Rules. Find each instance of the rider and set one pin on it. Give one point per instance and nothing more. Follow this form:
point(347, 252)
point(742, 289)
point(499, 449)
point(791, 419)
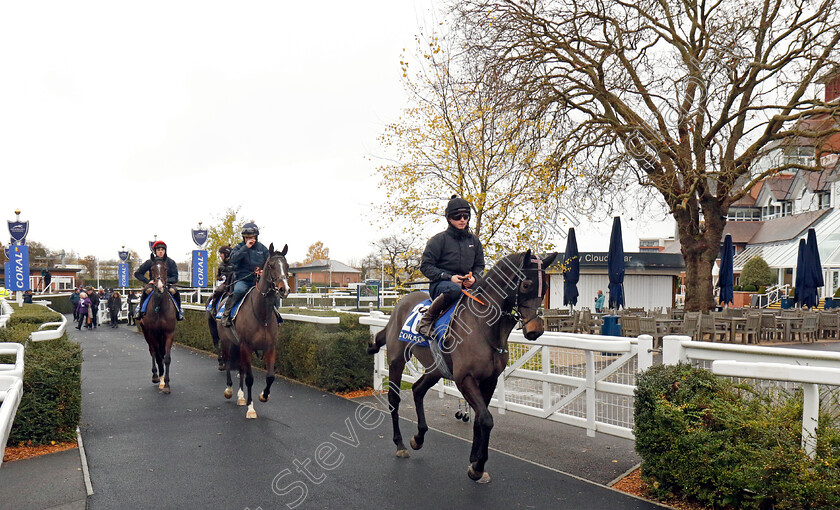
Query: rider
point(159, 253)
point(452, 259)
point(247, 259)
point(224, 277)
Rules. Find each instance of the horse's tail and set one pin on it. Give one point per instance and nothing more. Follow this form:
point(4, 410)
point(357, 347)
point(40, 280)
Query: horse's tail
point(377, 343)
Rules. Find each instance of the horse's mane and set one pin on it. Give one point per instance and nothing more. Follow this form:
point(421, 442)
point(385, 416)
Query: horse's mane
point(512, 260)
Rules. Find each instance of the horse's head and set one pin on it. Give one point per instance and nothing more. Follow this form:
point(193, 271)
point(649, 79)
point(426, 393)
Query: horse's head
point(276, 270)
point(159, 275)
point(531, 291)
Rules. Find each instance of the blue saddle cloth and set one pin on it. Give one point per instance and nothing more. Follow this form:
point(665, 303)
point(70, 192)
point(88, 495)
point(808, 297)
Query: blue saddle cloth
point(223, 304)
point(409, 333)
point(149, 298)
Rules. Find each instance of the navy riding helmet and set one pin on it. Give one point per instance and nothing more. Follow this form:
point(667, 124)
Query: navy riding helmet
point(250, 229)
point(457, 204)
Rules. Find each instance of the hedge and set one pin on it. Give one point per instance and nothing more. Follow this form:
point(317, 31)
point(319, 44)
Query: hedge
point(332, 357)
point(705, 439)
point(51, 405)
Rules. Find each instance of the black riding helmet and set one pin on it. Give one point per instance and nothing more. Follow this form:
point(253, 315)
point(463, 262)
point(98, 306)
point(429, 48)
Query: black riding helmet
point(457, 204)
point(225, 250)
point(250, 229)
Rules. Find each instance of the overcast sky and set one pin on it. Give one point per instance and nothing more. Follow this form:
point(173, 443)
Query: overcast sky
point(119, 121)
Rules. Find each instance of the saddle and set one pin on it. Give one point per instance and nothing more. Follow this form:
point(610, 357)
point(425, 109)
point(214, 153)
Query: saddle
point(145, 301)
point(440, 330)
point(220, 309)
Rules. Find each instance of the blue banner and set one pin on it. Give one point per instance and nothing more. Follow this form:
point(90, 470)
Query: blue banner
point(199, 268)
point(19, 267)
point(122, 275)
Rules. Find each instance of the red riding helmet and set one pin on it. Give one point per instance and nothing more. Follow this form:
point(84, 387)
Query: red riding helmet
point(158, 244)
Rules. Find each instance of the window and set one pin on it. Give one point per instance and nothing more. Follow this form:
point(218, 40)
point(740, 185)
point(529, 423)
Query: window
point(800, 155)
point(824, 200)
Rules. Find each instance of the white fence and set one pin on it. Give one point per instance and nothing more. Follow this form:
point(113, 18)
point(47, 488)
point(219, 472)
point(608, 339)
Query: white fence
point(11, 389)
point(581, 380)
point(588, 380)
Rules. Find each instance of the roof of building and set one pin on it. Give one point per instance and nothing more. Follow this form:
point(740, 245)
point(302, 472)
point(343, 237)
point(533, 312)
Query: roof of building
point(786, 227)
point(742, 231)
point(323, 265)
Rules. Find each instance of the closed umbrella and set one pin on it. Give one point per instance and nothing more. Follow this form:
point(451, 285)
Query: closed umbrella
point(814, 272)
point(615, 266)
point(799, 282)
point(726, 279)
point(571, 270)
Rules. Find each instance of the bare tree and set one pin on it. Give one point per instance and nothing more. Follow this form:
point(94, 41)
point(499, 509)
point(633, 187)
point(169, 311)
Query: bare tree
point(402, 258)
point(681, 97)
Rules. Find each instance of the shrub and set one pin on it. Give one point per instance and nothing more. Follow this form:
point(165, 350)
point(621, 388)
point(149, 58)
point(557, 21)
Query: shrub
point(737, 288)
point(762, 289)
point(837, 293)
point(757, 272)
point(332, 357)
point(749, 288)
point(728, 446)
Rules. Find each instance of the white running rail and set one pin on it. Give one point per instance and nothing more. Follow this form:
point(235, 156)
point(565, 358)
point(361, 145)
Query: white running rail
point(581, 380)
point(11, 390)
point(13, 369)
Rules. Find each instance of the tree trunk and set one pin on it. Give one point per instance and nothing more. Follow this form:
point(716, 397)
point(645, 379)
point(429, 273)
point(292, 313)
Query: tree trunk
point(700, 248)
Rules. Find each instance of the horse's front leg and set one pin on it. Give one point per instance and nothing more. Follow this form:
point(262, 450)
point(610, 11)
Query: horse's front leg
point(167, 358)
point(395, 370)
point(269, 375)
point(473, 394)
point(420, 388)
point(155, 378)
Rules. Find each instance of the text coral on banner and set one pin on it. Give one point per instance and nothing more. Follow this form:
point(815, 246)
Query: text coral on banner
point(199, 268)
point(19, 265)
point(122, 275)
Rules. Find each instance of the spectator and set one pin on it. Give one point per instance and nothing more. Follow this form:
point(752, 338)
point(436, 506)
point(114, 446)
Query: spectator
point(599, 302)
point(94, 305)
point(27, 297)
point(74, 300)
point(132, 302)
point(83, 310)
point(114, 305)
point(47, 278)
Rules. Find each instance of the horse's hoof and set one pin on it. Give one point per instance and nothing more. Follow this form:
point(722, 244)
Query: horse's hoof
point(414, 444)
point(222, 367)
point(155, 379)
point(161, 385)
point(228, 393)
point(166, 390)
point(263, 398)
point(403, 454)
point(240, 401)
point(251, 412)
point(484, 477)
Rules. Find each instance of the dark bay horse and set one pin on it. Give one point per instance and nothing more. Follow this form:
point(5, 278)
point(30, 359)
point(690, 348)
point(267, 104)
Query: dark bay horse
point(158, 325)
point(255, 329)
point(475, 351)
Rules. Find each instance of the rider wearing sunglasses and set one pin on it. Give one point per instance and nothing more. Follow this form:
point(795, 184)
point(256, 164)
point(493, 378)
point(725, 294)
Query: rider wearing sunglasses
point(448, 259)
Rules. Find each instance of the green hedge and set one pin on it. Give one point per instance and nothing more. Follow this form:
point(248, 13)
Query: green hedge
point(332, 357)
point(52, 382)
point(703, 439)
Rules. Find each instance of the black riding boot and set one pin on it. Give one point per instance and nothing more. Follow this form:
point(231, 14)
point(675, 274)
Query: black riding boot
point(434, 311)
point(137, 314)
point(180, 312)
point(229, 304)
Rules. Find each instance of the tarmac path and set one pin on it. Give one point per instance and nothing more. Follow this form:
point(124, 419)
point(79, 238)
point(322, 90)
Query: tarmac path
point(308, 449)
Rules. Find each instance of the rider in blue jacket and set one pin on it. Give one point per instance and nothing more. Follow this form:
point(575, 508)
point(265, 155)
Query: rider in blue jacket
point(159, 249)
point(247, 259)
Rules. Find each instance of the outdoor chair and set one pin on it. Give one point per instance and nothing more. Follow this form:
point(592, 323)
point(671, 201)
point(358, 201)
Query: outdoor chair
point(828, 324)
point(806, 329)
point(708, 326)
point(630, 325)
point(647, 326)
point(690, 325)
point(771, 329)
point(750, 330)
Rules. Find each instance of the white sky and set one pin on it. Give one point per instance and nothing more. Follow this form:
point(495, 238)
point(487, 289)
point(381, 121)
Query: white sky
point(181, 109)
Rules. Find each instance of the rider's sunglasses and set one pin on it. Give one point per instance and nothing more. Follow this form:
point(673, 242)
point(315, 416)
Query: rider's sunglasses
point(460, 216)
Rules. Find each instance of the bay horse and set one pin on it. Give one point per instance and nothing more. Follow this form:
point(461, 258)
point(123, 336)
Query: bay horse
point(158, 325)
point(475, 351)
point(255, 329)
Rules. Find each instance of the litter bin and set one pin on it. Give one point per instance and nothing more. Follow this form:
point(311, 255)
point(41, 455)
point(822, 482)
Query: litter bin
point(786, 303)
point(611, 327)
point(829, 303)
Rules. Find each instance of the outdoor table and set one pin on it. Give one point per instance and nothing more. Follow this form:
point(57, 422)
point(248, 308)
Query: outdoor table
point(732, 325)
point(787, 322)
point(667, 326)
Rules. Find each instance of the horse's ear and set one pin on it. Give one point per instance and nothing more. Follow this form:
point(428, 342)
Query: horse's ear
point(271, 248)
point(526, 257)
point(285, 250)
point(549, 259)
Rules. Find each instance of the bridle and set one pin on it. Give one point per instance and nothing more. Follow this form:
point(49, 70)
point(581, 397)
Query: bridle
point(273, 287)
point(161, 273)
point(516, 311)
